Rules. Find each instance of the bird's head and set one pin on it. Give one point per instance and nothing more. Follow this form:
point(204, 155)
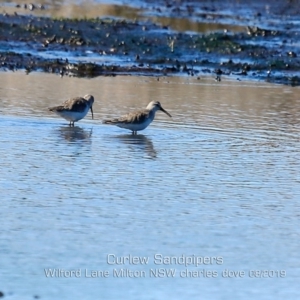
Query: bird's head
point(155, 105)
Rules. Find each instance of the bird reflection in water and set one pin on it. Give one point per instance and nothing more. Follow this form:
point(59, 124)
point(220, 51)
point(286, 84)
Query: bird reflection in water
point(74, 134)
point(139, 141)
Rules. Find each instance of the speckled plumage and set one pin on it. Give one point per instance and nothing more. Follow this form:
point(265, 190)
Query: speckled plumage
point(74, 109)
point(139, 119)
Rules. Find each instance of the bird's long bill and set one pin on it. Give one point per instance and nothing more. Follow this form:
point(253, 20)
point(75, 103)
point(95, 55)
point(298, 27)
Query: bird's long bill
point(92, 112)
point(165, 112)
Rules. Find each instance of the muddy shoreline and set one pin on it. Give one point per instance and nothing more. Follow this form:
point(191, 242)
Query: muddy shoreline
point(92, 47)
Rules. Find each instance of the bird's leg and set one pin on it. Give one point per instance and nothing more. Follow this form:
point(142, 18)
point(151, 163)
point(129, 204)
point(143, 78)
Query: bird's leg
point(70, 124)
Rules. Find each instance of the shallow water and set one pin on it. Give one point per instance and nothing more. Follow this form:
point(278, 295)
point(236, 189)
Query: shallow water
point(183, 16)
point(133, 10)
point(219, 179)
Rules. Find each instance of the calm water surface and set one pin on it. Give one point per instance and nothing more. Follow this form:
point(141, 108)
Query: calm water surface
point(219, 179)
point(130, 10)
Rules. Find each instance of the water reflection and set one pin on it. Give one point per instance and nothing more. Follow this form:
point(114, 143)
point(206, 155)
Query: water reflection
point(225, 170)
point(95, 9)
point(74, 134)
point(140, 142)
point(69, 9)
point(186, 24)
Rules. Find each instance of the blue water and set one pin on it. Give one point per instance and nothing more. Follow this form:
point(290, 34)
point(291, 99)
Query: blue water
point(218, 180)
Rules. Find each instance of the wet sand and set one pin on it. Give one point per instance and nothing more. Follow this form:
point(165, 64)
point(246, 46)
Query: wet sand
point(256, 41)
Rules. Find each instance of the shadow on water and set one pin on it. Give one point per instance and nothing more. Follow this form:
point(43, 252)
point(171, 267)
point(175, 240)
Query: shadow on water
point(140, 142)
point(74, 134)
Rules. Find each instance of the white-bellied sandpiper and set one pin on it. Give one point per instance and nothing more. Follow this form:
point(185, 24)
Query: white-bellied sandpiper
point(74, 109)
point(138, 120)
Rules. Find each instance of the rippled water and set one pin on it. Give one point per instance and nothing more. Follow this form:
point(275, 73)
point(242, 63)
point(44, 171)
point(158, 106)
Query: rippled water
point(219, 179)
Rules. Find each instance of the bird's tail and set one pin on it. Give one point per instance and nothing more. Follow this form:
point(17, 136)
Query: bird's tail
point(109, 122)
point(56, 108)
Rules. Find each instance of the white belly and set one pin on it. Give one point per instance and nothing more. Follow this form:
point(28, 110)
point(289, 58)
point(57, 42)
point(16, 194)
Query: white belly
point(136, 127)
point(73, 116)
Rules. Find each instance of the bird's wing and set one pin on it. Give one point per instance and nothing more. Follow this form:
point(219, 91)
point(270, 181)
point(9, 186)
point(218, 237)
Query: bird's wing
point(75, 104)
point(135, 117)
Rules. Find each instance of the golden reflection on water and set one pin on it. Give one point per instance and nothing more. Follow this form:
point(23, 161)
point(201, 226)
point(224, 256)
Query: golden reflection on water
point(91, 9)
point(185, 25)
point(225, 105)
point(69, 9)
